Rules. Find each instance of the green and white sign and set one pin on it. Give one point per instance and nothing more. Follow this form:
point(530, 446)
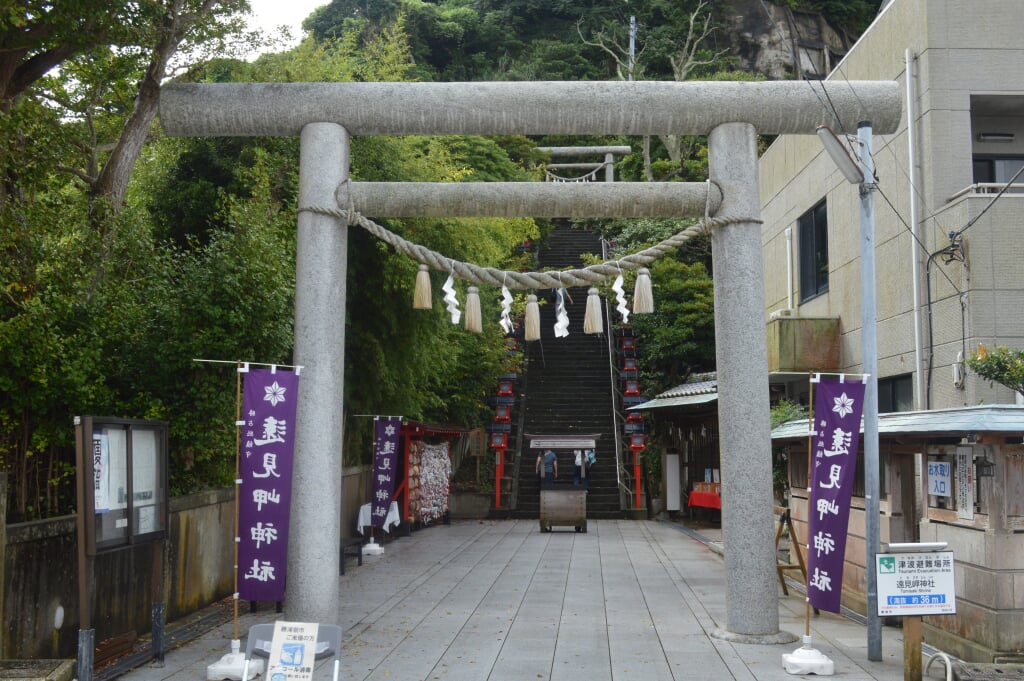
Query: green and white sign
point(919, 583)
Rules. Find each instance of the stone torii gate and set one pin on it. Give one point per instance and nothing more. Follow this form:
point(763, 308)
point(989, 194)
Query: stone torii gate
point(731, 114)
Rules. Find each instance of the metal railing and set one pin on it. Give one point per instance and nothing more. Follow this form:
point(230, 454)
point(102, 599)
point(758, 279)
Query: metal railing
point(618, 420)
point(987, 188)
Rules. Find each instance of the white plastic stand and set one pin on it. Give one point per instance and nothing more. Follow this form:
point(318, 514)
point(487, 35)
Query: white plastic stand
point(807, 660)
point(232, 665)
point(372, 548)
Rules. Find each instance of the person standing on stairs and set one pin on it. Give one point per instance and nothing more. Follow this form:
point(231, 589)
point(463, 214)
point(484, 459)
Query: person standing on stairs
point(547, 467)
point(582, 457)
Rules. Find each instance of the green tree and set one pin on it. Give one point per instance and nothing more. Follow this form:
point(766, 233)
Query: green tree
point(1000, 364)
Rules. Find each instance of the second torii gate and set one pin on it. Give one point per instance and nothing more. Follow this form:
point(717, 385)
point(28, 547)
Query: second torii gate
point(731, 114)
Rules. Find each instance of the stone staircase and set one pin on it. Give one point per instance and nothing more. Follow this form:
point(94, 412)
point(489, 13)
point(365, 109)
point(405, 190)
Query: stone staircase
point(567, 388)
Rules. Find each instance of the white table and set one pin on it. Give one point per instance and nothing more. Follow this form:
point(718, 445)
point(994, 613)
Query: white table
point(365, 511)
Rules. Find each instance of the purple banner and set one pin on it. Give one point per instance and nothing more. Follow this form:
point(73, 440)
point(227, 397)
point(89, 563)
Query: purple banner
point(385, 467)
point(837, 410)
point(265, 491)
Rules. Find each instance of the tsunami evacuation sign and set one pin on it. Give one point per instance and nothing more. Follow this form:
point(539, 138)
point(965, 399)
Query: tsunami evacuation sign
point(920, 583)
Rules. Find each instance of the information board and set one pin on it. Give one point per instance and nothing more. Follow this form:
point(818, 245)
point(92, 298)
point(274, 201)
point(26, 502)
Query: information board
point(920, 583)
point(292, 651)
point(122, 469)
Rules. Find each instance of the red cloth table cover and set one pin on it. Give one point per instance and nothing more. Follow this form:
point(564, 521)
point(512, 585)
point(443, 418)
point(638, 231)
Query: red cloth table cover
point(705, 499)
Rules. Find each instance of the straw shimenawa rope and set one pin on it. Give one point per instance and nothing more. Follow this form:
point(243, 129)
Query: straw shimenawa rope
point(490, 276)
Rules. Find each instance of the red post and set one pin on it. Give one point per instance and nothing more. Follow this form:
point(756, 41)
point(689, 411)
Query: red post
point(636, 474)
point(499, 473)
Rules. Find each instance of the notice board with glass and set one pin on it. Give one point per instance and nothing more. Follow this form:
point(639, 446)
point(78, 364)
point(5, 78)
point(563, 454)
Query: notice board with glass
point(122, 472)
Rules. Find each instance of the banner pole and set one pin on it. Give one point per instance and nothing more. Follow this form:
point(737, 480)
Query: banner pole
point(238, 481)
point(810, 461)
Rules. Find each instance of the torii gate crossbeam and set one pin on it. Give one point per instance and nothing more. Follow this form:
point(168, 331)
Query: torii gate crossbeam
point(730, 113)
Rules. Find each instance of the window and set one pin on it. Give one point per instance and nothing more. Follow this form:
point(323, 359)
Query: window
point(813, 234)
point(895, 394)
point(997, 170)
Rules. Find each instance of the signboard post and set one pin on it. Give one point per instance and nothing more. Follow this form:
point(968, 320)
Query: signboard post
point(915, 580)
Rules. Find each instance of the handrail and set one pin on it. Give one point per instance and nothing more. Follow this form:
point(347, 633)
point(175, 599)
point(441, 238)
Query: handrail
point(617, 418)
point(517, 459)
point(986, 188)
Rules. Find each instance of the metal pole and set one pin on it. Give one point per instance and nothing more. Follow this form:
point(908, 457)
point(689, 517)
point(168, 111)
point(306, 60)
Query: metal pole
point(868, 331)
point(915, 230)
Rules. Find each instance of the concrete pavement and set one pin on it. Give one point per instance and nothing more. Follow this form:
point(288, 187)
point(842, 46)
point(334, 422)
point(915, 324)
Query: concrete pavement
point(501, 601)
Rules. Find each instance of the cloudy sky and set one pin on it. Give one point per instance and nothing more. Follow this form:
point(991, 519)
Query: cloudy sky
point(269, 14)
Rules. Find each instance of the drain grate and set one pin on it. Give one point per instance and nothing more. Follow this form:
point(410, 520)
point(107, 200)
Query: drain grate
point(974, 671)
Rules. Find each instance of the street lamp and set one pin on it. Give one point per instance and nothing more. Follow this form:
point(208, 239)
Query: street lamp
point(840, 156)
point(863, 173)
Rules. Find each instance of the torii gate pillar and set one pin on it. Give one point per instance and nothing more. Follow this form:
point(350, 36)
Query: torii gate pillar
point(751, 600)
point(320, 270)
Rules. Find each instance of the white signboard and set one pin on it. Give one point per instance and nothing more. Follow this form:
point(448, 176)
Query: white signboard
point(965, 483)
point(563, 443)
point(292, 651)
point(920, 583)
point(940, 478)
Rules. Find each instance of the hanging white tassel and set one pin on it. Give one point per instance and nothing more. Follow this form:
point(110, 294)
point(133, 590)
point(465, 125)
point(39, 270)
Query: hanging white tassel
point(421, 294)
point(643, 296)
point(531, 332)
point(531, 325)
point(592, 322)
point(450, 299)
point(561, 316)
point(620, 299)
point(506, 310)
point(473, 320)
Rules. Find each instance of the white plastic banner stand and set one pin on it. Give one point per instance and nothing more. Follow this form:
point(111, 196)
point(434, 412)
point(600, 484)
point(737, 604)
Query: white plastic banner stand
point(807, 660)
point(232, 666)
point(372, 548)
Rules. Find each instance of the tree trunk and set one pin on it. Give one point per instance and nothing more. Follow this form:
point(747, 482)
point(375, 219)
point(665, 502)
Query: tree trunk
point(648, 171)
point(112, 182)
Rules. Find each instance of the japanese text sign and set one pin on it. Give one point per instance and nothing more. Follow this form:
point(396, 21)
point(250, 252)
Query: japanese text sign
point(837, 410)
point(939, 477)
point(292, 651)
point(385, 467)
point(916, 583)
point(264, 494)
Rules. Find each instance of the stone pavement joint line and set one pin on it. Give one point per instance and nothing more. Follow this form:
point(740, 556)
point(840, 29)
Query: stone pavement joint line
point(500, 601)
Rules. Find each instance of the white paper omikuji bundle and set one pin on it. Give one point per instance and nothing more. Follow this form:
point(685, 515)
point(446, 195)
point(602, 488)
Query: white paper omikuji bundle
point(434, 475)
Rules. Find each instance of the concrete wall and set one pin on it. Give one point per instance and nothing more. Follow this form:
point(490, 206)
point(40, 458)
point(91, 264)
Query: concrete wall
point(40, 577)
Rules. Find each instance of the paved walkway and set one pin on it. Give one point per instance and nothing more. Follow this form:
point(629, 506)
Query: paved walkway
point(501, 601)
